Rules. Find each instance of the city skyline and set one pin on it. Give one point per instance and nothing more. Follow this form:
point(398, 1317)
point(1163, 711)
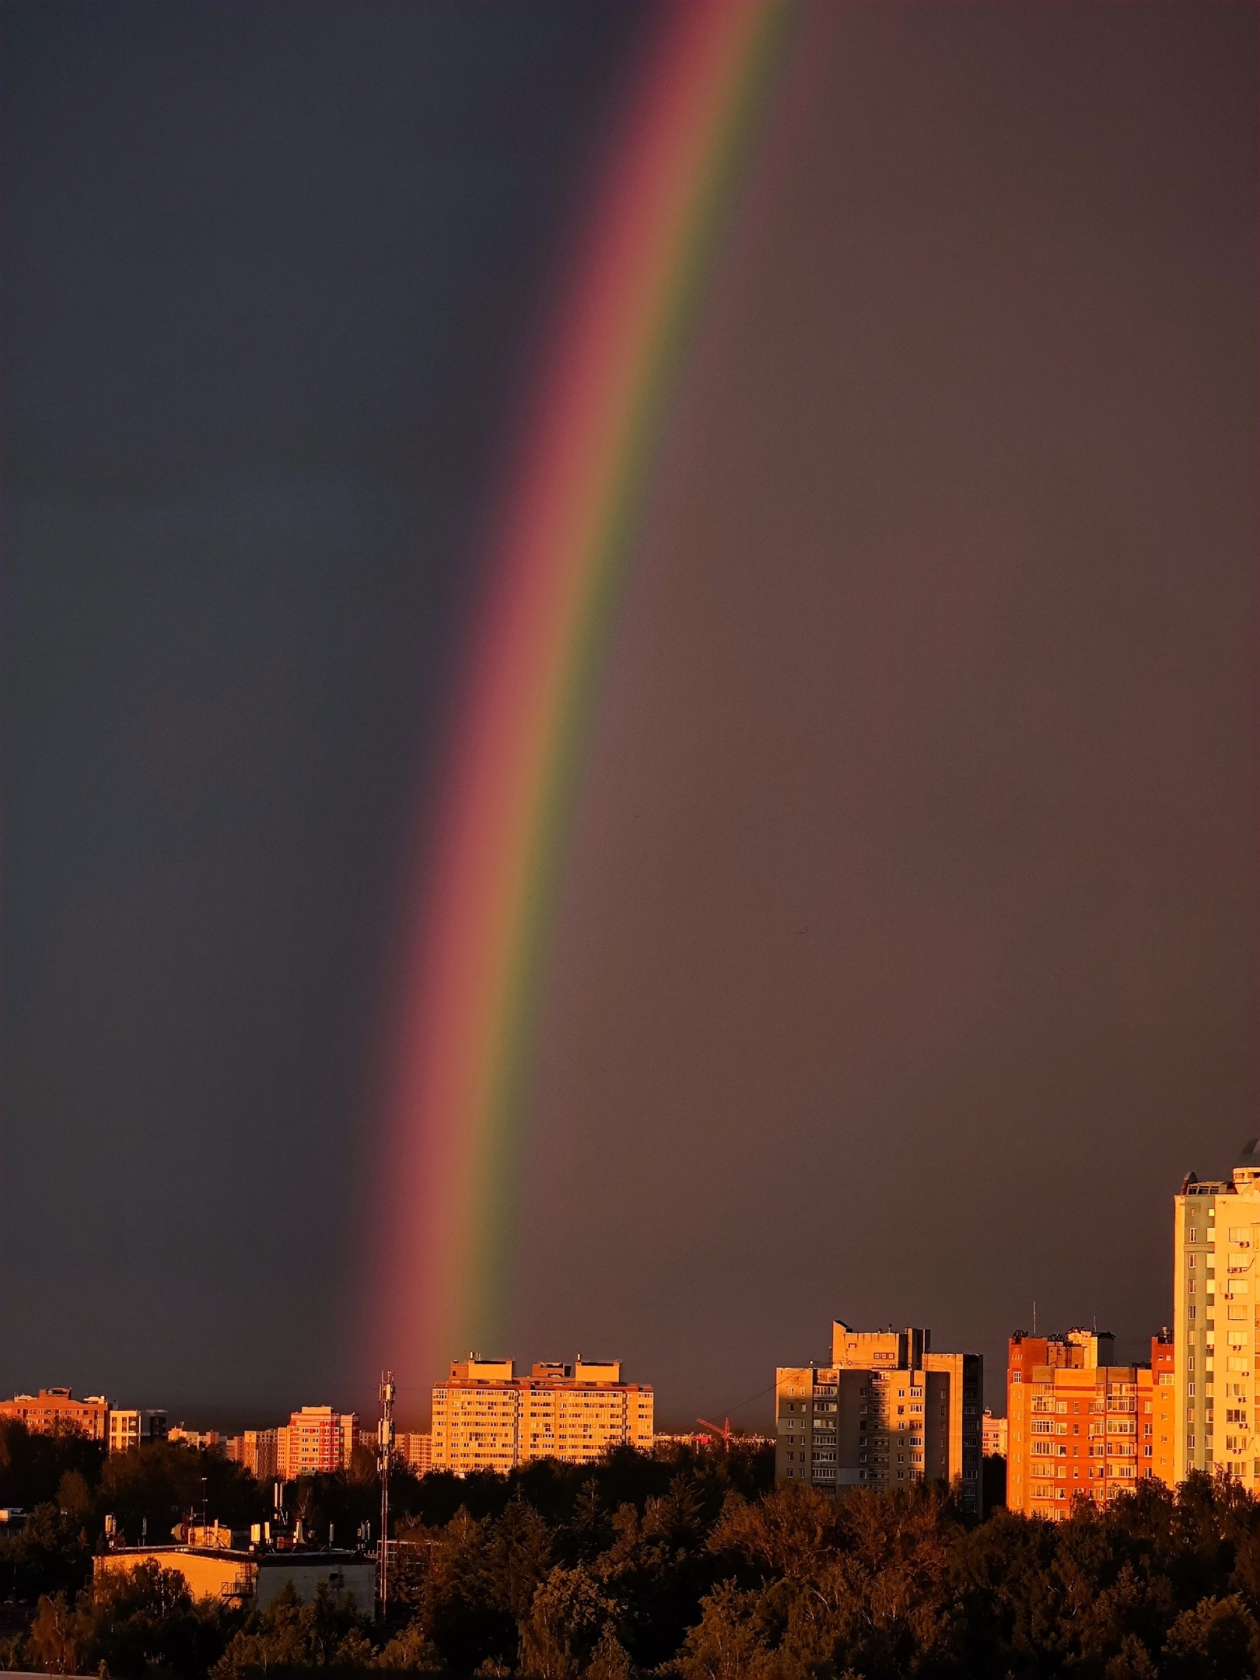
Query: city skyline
point(875, 929)
point(1078, 1349)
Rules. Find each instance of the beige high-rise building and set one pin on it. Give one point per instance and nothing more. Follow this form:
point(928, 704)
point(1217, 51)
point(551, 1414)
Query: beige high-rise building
point(485, 1417)
point(1215, 1305)
point(887, 1410)
point(416, 1449)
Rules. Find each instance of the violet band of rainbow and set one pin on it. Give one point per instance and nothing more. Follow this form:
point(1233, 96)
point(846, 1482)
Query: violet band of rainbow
point(529, 685)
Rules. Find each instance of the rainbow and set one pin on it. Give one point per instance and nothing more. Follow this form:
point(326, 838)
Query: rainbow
point(525, 698)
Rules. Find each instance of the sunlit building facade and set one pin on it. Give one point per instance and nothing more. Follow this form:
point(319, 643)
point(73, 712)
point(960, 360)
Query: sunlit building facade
point(1215, 1305)
point(993, 1435)
point(256, 1450)
point(485, 1417)
point(887, 1410)
point(1081, 1426)
point(416, 1450)
point(129, 1428)
point(54, 1410)
point(316, 1442)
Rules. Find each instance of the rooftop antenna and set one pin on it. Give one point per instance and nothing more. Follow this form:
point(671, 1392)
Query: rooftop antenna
point(1034, 1318)
point(384, 1452)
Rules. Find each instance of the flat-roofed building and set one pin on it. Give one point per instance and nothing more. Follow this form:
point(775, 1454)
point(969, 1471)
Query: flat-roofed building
point(55, 1409)
point(135, 1427)
point(485, 1417)
point(256, 1450)
point(251, 1580)
point(1216, 1304)
point(204, 1440)
point(1081, 1426)
point(993, 1435)
point(315, 1442)
point(416, 1449)
point(886, 1411)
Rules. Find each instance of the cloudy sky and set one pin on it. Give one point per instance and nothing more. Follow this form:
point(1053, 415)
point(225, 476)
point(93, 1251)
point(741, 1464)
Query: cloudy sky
point(907, 953)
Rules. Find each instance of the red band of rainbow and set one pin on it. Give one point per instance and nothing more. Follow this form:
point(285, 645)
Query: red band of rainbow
point(459, 1085)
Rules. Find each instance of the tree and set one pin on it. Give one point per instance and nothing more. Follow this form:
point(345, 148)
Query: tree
point(569, 1618)
point(50, 1555)
point(32, 1464)
point(1217, 1640)
point(293, 1636)
point(159, 1482)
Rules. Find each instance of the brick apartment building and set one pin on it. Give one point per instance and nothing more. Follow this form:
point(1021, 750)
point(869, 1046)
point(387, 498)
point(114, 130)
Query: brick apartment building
point(1081, 1426)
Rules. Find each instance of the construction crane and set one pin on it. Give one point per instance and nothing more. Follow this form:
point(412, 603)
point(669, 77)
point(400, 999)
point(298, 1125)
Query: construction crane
point(724, 1434)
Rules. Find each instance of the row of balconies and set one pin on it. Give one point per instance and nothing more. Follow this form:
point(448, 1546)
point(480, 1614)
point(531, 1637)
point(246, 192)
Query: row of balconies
point(1099, 1449)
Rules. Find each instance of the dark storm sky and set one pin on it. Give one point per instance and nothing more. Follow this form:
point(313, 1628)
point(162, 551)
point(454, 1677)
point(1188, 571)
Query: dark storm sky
point(908, 955)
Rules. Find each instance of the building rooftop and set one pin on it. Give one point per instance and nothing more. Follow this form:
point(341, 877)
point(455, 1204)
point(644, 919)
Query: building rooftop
point(267, 1559)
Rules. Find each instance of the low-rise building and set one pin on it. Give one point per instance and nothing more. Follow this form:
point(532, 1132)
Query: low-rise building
point(1081, 1426)
point(205, 1440)
point(252, 1579)
point(54, 1410)
point(485, 1417)
point(886, 1410)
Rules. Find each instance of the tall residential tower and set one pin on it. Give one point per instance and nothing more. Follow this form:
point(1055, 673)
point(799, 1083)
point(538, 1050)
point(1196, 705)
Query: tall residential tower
point(886, 1410)
point(1215, 1304)
point(1081, 1426)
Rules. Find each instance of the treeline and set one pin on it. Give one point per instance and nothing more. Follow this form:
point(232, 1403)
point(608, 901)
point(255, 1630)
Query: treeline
point(695, 1568)
point(702, 1584)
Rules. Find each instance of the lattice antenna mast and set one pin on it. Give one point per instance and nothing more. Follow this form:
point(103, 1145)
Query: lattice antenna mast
point(384, 1454)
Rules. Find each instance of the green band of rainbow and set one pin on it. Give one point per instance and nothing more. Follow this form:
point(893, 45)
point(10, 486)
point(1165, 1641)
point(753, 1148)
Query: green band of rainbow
point(523, 715)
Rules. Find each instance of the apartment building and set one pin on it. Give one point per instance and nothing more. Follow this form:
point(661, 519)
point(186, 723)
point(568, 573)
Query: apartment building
point(1215, 1305)
point(256, 1450)
point(316, 1441)
point(485, 1417)
point(886, 1410)
point(416, 1449)
point(204, 1440)
point(993, 1435)
point(132, 1428)
point(53, 1410)
point(1082, 1426)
